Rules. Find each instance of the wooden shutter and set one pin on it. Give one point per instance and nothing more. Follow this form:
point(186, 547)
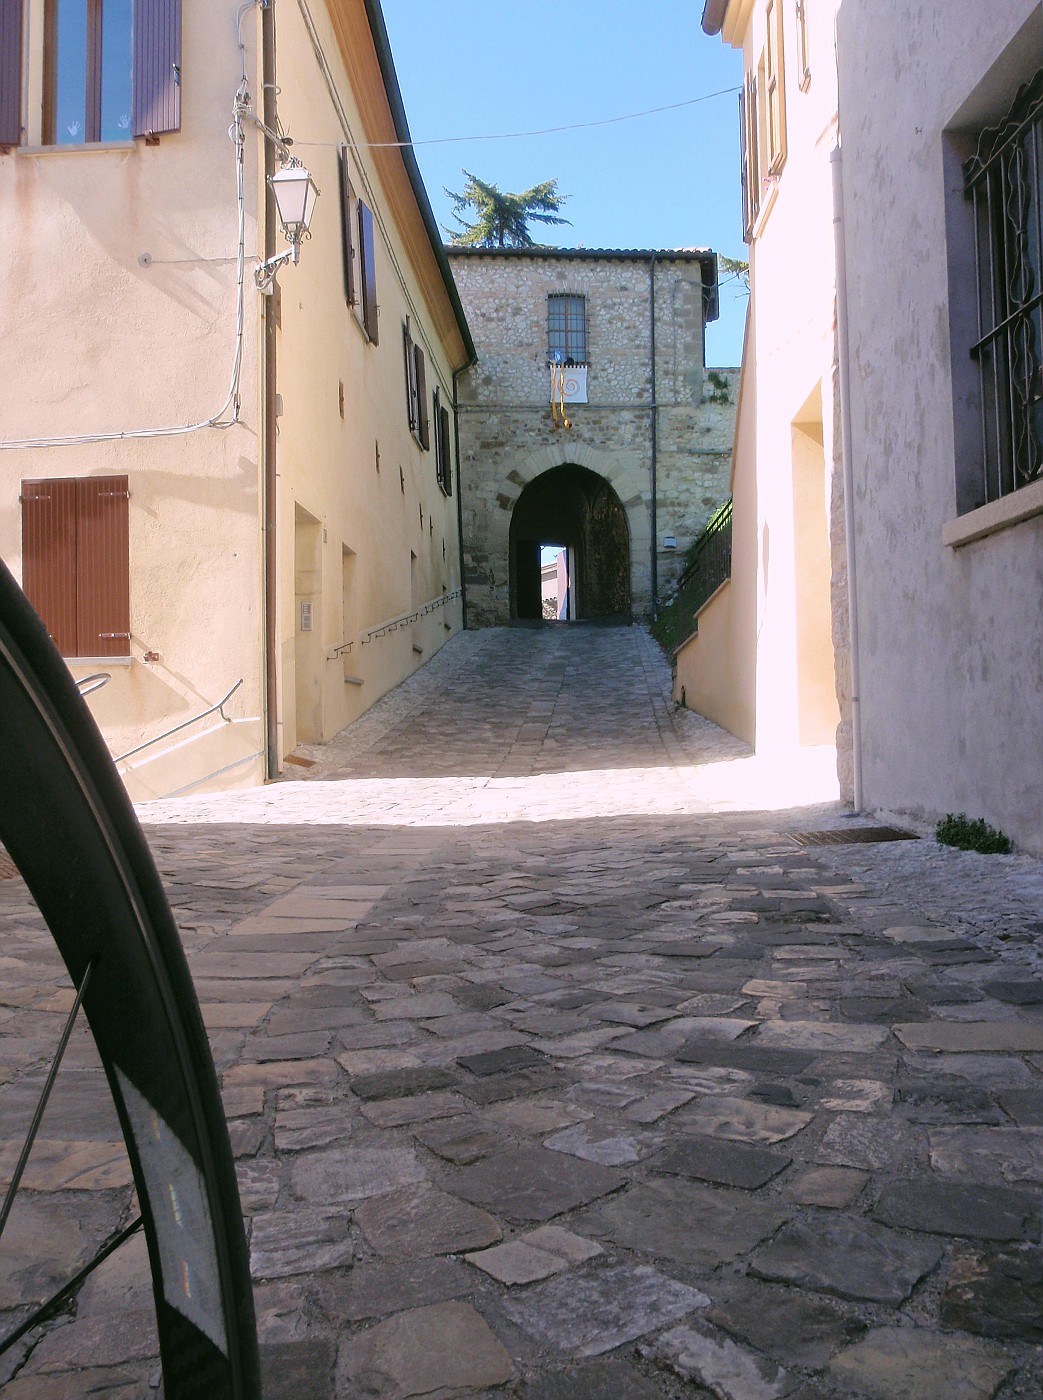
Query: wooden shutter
point(76, 562)
point(347, 196)
point(367, 249)
point(157, 67)
point(102, 566)
point(49, 557)
point(11, 72)
point(447, 454)
point(423, 418)
point(410, 368)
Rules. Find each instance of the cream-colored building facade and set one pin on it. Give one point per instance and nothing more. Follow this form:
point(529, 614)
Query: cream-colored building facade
point(942, 129)
point(267, 477)
point(767, 659)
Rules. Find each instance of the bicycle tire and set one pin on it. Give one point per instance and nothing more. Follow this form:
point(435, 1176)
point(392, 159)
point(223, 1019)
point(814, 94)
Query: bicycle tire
point(71, 831)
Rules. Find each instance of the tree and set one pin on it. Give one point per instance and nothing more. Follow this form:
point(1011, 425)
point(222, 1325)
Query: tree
point(502, 219)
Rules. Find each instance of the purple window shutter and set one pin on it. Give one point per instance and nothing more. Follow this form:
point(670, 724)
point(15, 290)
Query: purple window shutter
point(10, 72)
point(347, 196)
point(157, 67)
point(369, 271)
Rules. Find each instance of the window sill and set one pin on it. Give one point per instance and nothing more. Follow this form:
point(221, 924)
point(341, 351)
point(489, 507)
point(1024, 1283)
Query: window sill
point(997, 515)
point(71, 661)
point(76, 148)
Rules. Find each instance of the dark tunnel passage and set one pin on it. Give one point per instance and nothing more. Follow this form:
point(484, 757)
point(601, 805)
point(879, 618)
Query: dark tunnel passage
point(577, 509)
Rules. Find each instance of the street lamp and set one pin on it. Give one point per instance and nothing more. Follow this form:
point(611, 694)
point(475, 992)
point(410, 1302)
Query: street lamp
point(295, 193)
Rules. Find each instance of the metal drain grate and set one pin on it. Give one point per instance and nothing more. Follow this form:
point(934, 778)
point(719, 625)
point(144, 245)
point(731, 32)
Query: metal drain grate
point(852, 836)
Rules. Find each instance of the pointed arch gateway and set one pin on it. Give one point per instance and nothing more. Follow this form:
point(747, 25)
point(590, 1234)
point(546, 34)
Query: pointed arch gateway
point(577, 509)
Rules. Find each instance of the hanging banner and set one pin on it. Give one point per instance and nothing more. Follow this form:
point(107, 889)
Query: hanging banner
point(568, 383)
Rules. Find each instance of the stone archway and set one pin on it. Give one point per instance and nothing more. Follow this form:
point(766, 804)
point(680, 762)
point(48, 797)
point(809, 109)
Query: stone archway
point(578, 509)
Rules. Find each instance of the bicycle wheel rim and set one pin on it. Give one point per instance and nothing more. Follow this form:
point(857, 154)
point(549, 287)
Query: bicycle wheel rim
point(70, 829)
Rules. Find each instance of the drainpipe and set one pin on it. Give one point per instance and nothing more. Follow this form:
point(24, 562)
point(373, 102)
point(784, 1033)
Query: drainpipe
point(459, 492)
point(847, 467)
point(268, 421)
point(653, 415)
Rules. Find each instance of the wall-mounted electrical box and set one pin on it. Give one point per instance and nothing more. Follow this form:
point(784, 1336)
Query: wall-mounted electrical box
point(305, 617)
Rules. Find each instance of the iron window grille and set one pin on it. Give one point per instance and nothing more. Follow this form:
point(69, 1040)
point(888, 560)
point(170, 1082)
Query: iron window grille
point(1003, 179)
point(567, 329)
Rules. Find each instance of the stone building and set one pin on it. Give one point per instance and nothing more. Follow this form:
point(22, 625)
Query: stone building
point(590, 423)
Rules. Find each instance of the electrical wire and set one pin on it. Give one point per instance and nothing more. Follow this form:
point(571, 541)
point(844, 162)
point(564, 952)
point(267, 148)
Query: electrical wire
point(543, 131)
point(240, 111)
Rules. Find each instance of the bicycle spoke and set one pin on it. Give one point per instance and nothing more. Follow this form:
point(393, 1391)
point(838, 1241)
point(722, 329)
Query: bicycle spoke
point(34, 1126)
point(45, 1310)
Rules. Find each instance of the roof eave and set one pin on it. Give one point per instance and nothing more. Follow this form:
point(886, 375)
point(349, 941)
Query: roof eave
point(382, 45)
point(714, 12)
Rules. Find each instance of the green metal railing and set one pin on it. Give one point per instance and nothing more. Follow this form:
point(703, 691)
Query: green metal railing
point(711, 565)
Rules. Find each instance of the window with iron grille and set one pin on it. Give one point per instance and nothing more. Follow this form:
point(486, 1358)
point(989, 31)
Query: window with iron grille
point(1004, 181)
point(76, 562)
point(567, 329)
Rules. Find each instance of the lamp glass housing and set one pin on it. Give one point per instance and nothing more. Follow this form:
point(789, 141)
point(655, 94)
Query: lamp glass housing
point(295, 193)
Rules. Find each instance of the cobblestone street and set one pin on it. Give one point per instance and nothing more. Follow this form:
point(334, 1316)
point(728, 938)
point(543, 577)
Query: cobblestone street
point(557, 1069)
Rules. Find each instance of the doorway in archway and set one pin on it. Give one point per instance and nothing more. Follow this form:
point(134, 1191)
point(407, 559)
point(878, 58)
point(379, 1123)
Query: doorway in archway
point(573, 511)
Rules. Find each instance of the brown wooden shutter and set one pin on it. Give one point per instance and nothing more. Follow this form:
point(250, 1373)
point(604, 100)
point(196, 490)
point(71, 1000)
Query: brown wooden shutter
point(157, 67)
point(49, 557)
point(367, 249)
point(447, 451)
point(103, 567)
point(347, 196)
point(11, 72)
point(423, 426)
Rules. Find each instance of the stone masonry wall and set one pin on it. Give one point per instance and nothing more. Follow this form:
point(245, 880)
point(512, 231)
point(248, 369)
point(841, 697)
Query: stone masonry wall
point(507, 434)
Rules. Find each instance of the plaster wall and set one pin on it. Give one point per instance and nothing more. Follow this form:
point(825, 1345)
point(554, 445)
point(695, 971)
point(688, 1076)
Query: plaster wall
point(98, 339)
point(771, 673)
point(507, 430)
point(385, 535)
point(951, 637)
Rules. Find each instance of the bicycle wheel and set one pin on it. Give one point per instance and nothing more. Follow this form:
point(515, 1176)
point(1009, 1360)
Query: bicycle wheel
point(69, 827)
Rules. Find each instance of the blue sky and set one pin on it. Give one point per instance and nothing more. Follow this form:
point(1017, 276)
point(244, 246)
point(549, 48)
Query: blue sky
point(671, 180)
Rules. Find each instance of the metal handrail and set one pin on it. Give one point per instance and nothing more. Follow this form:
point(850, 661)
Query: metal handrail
point(382, 628)
point(89, 684)
point(183, 725)
point(711, 565)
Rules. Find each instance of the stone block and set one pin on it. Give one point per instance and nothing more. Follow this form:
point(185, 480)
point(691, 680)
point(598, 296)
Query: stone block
point(441, 1350)
point(909, 1363)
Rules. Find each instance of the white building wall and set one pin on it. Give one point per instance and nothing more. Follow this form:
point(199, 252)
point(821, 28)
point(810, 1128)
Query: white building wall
point(951, 635)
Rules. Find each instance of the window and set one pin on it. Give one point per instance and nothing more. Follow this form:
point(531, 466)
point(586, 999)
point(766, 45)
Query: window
point(76, 562)
point(368, 266)
point(348, 218)
point(443, 449)
point(803, 47)
point(416, 390)
point(567, 329)
point(1002, 180)
point(774, 88)
point(360, 273)
point(751, 174)
point(111, 70)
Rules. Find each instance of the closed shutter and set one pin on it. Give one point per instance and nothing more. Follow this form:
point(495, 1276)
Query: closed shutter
point(49, 557)
point(369, 271)
point(76, 562)
point(347, 197)
point(11, 72)
point(447, 457)
point(157, 67)
point(423, 427)
point(102, 567)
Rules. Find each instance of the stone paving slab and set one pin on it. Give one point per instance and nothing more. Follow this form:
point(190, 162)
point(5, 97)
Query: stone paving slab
point(504, 1028)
